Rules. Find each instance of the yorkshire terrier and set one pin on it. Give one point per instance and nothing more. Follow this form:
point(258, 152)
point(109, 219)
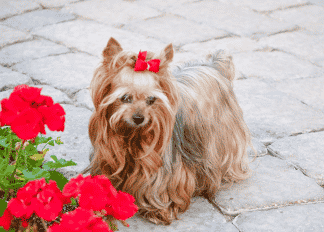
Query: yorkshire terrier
point(166, 137)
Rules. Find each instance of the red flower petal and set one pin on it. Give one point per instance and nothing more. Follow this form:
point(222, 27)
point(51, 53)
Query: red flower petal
point(53, 117)
point(98, 226)
point(28, 124)
point(54, 228)
point(77, 220)
point(124, 207)
point(5, 220)
point(43, 101)
point(72, 188)
point(27, 93)
point(92, 196)
point(48, 205)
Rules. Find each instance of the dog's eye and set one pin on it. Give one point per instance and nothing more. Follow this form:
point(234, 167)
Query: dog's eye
point(150, 100)
point(126, 98)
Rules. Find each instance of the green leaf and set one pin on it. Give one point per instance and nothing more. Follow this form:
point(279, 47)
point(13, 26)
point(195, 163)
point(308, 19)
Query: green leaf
point(59, 178)
point(31, 149)
point(36, 173)
point(58, 141)
point(73, 201)
point(51, 142)
point(4, 142)
point(3, 206)
point(58, 163)
point(41, 139)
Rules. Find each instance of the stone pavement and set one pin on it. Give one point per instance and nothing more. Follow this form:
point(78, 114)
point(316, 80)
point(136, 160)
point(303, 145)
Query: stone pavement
point(278, 50)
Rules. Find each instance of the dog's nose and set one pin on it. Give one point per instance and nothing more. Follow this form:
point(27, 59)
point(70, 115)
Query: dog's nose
point(138, 118)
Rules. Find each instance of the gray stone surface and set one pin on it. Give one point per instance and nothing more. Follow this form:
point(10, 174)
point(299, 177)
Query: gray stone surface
point(296, 218)
point(237, 20)
point(271, 114)
point(35, 19)
point(266, 5)
point(232, 45)
point(29, 50)
point(307, 90)
point(309, 17)
point(75, 137)
point(9, 35)
point(297, 43)
point(13, 7)
point(274, 66)
point(9, 79)
point(305, 152)
point(69, 72)
point(83, 99)
point(57, 95)
point(273, 183)
point(92, 37)
point(54, 3)
point(175, 29)
point(112, 12)
point(201, 217)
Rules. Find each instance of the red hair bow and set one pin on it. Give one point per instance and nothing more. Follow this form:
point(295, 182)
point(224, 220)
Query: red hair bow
point(142, 65)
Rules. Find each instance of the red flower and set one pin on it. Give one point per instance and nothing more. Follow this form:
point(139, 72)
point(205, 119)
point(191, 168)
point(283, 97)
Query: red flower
point(72, 188)
point(123, 207)
point(27, 112)
point(5, 220)
point(28, 124)
point(82, 220)
point(38, 197)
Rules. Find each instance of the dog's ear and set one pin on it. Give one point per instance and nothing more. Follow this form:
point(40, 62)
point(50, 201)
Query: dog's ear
point(112, 49)
point(167, 54)
point(222, 61)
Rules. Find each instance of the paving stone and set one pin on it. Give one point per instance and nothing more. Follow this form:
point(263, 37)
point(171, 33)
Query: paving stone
point(92, 37)
point(305, 152)
point(175, 29)
point(29, 50)
point(271, 114)
point(259, 147)
point(164, 5)
point(274, 66)
point(83, 99)
point(39, 18)
point(308, 90)
point(9, 35)
point(112, 12)
point(232, 45)
point(310, 17)
point(273, 184)
point(269, 5)
point(75, 138)
point(5, 94)
point(68, 73)
point(9, 79)
point(13, 7)
point(57, 95)
point(201, 216)
point(317, 2)
point(305, 46)
point(289, 219)
point(54, 3)
point(237, 20)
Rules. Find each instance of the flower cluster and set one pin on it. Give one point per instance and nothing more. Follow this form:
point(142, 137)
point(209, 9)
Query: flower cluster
point(95, 194)
point(27, 112)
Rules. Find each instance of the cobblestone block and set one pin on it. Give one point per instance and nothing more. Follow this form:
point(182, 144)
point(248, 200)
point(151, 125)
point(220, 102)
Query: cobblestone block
point(289, 219)
point(54, 3)
point(305, 152)
point(69, 72)
point(201, 217)
point(9, 35)
point(237, 20)
point(75, 137)
point(232, 45)
point(297, 43)
point(57, 95)
point(164, 5)
point(9, 79)
point(177, 30)
point(273, 184)
point(269, 5)
point(29, 50)
point(310, 17)
point(39, 18)
point(13, 7)
point(274, 66)
point(112, 12)
point(83, 99)
point(308, 90)
point(271, 114)
point(92, 37)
